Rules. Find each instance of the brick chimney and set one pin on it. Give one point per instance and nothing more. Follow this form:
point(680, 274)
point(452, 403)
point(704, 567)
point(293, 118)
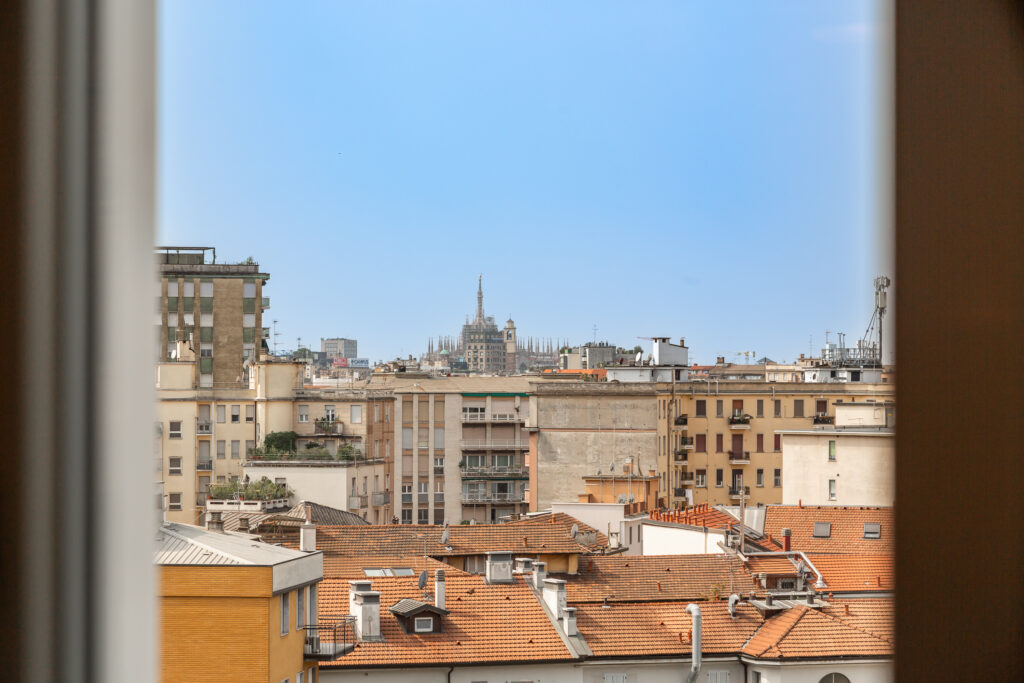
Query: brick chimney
point(786, 534)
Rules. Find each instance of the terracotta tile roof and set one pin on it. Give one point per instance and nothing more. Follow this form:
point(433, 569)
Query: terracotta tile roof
point(403, 540)
point(566, 521)
point(291, 518)
point(702, 515)
point(657, 577)
point(336, 567)
point(643, 629)
point(847, 532)
point(848, 628)
point(773, 565)
point(856, 572)
point(479, 628)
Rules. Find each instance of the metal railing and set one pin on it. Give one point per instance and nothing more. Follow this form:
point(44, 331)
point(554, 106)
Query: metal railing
point(204, 465)
point(485, 445)
point(204, 427)
point(685, 441)
point(681, 455)
point(824, 419)
point(327, 427)
point(492, 497)
point(735, 491)
point(406, 497)
point(491, 417)
point(680, 421)
point(356, 502)
point(423, 498)
point(679, 493)
point(330, 639)
point(381, 497)
point(492, 470)
point(739, 419)
point(687, 478)
point(438, 496)
point(739, 456)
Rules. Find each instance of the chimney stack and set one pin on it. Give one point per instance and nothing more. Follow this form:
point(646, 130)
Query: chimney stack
point(786, 534)
point(367, 614)
point(353, 588)
point(439, 591)
point(214, 522)
point(243, 524)
point(554, 597)
point(569, 621)
point(307, 533)
point(540, 572)
point(499, 567)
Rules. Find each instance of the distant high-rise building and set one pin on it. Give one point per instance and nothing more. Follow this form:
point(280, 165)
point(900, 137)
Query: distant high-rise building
point(339, 347)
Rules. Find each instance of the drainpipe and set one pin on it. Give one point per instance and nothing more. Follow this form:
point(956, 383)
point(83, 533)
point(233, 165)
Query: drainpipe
point(694, 610)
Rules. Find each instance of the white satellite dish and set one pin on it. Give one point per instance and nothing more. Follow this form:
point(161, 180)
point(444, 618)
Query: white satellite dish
point(445, 537)
point(575, 531)
point(639, 356)
point(423, 579)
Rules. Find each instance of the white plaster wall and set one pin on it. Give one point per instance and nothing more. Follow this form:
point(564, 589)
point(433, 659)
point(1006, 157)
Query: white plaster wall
point(857, 672)
point(864, 469)
point(860, 414)
point(605, 517)
point(325, 485)
point(663, 540)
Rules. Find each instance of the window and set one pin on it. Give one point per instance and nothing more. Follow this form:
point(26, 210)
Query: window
point(755, 677)
point(438, 437)
point(206, 351)
point(778, 442)
point(423, 516)
point(798, 407)
point(236, 449)
point(249, 290)
point(718, 677)
point(174, 429)
point(439, 463)
point(387, 413)
point(821, 407)
point(760, 407)
point(760, 477)
point(300, 609)
point(719, 408)
point(702, 443)
point(376, 412)
point(172, 288)
point(423, 625)
point(406, 437)
point(822, 529)
point(329, 412)
point(173, 501)
point(304, 413)
point(220, 450)
point(760, 443)
point(778, 407)
point(299, 677)
point(872, 530)
point(355, 414)
point(236, 413)
point(831, 489)
point(616, 678)
point(719, 477)
point(832, 450)
point(407, 516)
point(249, 446)
point(284, 613)
point(174, 465)
point(700, 479)
point(834, 678)
point(719, 440)
point(220, 414)
point(250, 414)
point(701, 409)
point(778, 478)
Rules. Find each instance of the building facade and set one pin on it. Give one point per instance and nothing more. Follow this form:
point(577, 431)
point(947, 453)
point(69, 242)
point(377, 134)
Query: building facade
point(339, 347)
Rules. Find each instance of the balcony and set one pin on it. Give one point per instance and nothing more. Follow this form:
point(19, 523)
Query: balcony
point(824, 419)
point(438, 469)
point(735, 492)
point(492, 497)
point(485, 445)
point(686, 443)
point(204, 465)
point(381, 498)
point(739, 457)
point(493, 471)
point(357, 502)
point(491, 417)
point(265, 302)
point(680, 455)
point(330, 639)
point(204, 427)
point(680, 422)
point(232, 505)
point(407, 499)
point(327, 427)
point(679, 493)
point(422, 498)
point(686, 478)
point(739, 422)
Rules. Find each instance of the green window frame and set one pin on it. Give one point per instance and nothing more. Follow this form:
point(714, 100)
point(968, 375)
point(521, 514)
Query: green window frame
point(205, 365)
point(172, 304)
point(248, 305)
point(206, 334)
point(248, 334)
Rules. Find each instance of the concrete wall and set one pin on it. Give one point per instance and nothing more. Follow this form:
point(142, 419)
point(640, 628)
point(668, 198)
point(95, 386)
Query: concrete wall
point(665, 540)
point(864, 469)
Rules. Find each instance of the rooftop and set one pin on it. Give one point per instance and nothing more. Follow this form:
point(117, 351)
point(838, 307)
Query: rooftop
point(184, 544)
point(633, 578)
point(846, 532)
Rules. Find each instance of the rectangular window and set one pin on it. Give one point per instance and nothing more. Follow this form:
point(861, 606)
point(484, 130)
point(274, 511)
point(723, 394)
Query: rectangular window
point(760, 407)
point(249, 445)
point(300, 609)
point(248, 290)
point(355, 414)
point(701, 409)
point(423, 625)
point(172, 288)
point(423, 516)
point(174, 465)
point(329, 412)
point(616, 678)
point(284, 613)
point(407, 516)
point(221, 450)
point(821, 407)
point(737, 407)
point(236, 414)
point(174, 429)
point(406, 437)
point(832, 450)
point(376, 412)
point(206, 288)
point(700, 479)
point(778, 442)
point(206, 320)
point(439, 463)
point(831, 489)
point(173, 501)
point(760, 478)
point(778, 478)
point(719, 408)
point(304, 413)
point(872, 530)
point(778, 407)
point(760, 443)
point(250, 414)
point(438, 437)
point(822, 529)
point(236, 449)
point(702, 443)
point(798, 407)
point(719, 478)
point(248, 320)
point(221, 414)
point(189, 290)
point(719, 443)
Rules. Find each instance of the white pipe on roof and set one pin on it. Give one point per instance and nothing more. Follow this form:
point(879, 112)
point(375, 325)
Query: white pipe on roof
point(694, 611)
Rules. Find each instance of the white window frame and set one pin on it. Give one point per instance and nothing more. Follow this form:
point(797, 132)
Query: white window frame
point(173, 433)
point(417, 621)
point(171, 504)
point(171, 469)
point(355, 413)
point(304, 413)
point(222, 413)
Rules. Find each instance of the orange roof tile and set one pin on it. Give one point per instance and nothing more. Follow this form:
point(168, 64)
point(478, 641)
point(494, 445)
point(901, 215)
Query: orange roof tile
point(847, 533)
point(856, 572)
point(702, 515)
point(861, 628)
point(772, 565)
point(487, 623)
point(657, 577)
point(351, 567)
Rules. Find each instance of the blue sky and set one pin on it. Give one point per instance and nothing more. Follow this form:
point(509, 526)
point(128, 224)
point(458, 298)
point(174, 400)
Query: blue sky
point(698, 169)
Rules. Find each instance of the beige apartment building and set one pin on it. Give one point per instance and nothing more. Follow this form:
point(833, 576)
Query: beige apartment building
point(718, 440)
point(217, 308)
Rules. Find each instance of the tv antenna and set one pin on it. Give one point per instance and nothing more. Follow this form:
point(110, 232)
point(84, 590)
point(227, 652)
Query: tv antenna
point(275, 337)
point(595, 334)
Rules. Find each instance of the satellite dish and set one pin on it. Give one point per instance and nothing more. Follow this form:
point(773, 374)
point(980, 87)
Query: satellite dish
point(445, 537)
point(639, 356)
point(574, 532)
point(632, 498)
point(611, 468)
point(599, 471)
point(423, 579)
point(622, 498)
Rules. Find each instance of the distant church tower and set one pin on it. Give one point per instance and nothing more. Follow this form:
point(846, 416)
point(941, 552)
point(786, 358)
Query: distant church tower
point(511, 357)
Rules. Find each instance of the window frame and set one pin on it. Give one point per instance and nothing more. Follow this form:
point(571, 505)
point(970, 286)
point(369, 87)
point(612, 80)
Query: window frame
point(418, 620)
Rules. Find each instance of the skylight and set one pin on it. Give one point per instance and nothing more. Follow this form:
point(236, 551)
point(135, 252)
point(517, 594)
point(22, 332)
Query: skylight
point(872, 530)
point(822, 529)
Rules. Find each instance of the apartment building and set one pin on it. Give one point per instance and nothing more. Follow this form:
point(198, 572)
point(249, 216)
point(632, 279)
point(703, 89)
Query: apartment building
point(718, 440)
point(339, 347)
point(216, 307)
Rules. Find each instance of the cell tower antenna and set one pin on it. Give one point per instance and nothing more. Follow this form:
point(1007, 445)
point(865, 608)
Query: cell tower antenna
point(275, 337)
point(874, 330)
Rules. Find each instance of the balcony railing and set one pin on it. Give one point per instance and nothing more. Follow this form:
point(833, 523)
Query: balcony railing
point(357, 502)
point(485, 445)
point(203, 465)
point(247, 505)
point(381, 498)
point(422, 498)
point(327, 427)
point(687, 478)
point(739, 421)
point(492, 471)
point(686, 442)
point(439, 496)
point(738, 457)
point(492, 497)
point(679, 492)
point(681, 455)
point(491, 417)
point(680, 421)
point(330, 639)
point(824, 419)
point(736, 491)
point(204, 427)
point(407, 498)
point(438, 469)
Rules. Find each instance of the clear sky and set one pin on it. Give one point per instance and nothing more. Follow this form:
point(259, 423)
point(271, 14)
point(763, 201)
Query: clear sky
point(704, 169)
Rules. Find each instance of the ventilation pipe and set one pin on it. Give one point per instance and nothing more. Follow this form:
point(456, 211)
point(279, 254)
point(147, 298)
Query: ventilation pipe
point(694, 644)
point(439, 592)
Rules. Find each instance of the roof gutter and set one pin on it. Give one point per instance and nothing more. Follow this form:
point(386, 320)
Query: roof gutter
point(694, 611)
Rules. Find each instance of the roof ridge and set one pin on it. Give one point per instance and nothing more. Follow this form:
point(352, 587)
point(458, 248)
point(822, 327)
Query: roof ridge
point(803, 610)
point(208, 547)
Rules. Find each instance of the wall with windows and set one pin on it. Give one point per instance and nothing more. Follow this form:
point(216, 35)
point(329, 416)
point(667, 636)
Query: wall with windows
point(663, 539)
point(837, 468)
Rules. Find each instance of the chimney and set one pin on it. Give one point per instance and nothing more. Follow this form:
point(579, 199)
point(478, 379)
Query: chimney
point(439, 592)
point(786, 534)
point(243, 524)
point(523, 565)
point(307, 533)
point(540, 572)
point(214, 522)
point(499, 567)
point(554, 597)
point(367, 614)
point(569, 621)
point(353, 588)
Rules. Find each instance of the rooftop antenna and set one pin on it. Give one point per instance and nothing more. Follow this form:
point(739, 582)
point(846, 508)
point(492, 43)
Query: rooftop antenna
point(275, 337)
point(595, 334)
